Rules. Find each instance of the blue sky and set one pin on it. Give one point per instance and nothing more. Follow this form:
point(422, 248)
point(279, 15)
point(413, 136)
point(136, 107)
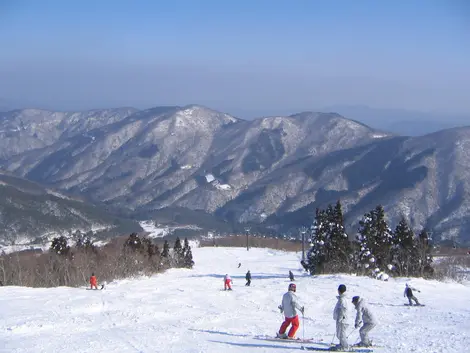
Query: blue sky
point(244, 55)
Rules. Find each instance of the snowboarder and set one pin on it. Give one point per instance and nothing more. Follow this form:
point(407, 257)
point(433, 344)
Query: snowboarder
point(93, 281)
point(248, 278)
point(289, 307)
point(239, 264)
point(409, 294)
point(291, 276)
point(227, 282)
point(364, 316)
point(340, 314)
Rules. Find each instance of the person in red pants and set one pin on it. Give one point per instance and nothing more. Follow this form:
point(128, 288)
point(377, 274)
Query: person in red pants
point(227, 282)
point(93, 281)
point(289, 307)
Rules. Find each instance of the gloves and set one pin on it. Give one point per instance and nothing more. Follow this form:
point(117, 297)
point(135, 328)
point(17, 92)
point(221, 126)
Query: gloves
point(280, 308)
point(302, 310)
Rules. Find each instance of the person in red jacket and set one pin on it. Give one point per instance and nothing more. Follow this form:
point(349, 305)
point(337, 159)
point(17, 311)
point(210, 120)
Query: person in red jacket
point(93, 281)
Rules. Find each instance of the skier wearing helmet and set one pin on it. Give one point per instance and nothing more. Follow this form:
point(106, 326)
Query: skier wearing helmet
point(289, 307)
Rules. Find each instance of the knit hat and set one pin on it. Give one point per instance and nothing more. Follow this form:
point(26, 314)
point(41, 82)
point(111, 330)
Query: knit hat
point(342, 288)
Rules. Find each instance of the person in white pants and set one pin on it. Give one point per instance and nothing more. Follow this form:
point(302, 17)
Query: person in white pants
point(365, 318)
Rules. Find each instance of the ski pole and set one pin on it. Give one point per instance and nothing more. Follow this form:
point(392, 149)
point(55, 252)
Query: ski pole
point(333, 338)
point(354, 329)
point(303, 326)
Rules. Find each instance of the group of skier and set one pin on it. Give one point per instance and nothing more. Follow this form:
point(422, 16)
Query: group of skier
point(364, 320)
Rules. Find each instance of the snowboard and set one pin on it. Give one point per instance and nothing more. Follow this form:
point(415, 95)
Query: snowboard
point(407, 304)
point(324, 349)
point(286, 340)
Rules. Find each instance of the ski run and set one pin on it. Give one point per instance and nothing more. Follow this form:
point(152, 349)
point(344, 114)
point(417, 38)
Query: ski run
point(186, 310)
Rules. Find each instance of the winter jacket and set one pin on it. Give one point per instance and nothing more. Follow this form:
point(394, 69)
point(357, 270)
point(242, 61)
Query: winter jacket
point(409, 291)
point(340, 313)
point(93, 281)
point(290, 304)
point(364, 314)
point(227, 278)
point(248, 276)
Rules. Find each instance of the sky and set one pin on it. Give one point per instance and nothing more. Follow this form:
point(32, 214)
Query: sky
point(237, 56)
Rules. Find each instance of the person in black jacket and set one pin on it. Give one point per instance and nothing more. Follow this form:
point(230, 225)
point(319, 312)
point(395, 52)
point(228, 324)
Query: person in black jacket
point(248, 278)
point(409, 294)
point(291, 276)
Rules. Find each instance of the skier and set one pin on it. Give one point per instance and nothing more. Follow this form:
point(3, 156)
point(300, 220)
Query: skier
point(93, 281)
point(227, 282)
point(289, 307)
point(248, 278)
point(409, 294)
point(239, 264)
point(364, 316)
point(291, 276)
point(340, 314)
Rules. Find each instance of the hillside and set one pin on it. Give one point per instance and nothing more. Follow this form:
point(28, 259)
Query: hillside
point(273, 171)
point(187, 311)
point(30, 215)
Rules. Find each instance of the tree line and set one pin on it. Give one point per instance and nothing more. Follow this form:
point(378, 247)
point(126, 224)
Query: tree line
point(375, 250)
point(72, 265)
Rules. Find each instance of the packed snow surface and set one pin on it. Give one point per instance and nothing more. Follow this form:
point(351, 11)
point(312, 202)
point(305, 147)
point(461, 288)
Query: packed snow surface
point(186, 310)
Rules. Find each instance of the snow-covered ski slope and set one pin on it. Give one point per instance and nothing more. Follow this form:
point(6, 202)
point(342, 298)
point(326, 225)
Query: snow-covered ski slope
point(187, 311)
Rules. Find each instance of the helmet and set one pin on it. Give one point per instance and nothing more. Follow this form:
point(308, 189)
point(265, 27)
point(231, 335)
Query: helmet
point(355, 299)
point(342, 288)
point(292, 287)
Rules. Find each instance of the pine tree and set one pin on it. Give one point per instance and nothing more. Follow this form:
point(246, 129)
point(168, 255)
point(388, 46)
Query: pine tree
point(166, 249)
point(340, 248)
point(178, 252)
point(59, 246)
point(404, 252)
point(424, 255)
point(374, 241)
point(188, 258)
point(318, 255)
point(134, 243)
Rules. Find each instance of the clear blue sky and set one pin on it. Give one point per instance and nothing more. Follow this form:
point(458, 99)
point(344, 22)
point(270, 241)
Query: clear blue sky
point(243, 55)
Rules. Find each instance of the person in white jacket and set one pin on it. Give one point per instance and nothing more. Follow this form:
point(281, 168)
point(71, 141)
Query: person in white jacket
point(365, 318)
point(340, 314)
point(289, 307)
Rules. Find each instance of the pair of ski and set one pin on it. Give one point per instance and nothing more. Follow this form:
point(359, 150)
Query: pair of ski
point(317, 341)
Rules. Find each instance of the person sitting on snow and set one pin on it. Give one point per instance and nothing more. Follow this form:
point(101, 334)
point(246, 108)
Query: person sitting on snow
point(289, 307)
point(340, 315)
point(364, 316)
point(409, 294)
point(227, 282)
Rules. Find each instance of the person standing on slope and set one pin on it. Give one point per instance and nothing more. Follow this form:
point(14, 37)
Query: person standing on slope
point(289, 307)
point(364, 316)
point(93, 281)
point(409, 294)
point(248, 278)
point(291, 276)
point(227, 282)
point(340, 315)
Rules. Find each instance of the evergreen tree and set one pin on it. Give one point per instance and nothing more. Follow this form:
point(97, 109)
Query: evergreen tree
point(318, 255)
point(188, 258)
point(374, 241)
point(134, 243)
point(178, 252)
point(166, 249)
point(404, 251)
point(340, 247)
point(59, 246)
point(424, 255)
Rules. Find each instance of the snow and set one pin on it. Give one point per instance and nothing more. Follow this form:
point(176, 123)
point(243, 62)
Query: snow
point(209, 178)
point(154, 231)
point(186, 310)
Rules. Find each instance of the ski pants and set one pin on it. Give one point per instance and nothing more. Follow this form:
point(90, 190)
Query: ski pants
point(341, 328)
point(364, 332)
point(413, 298)
point(227, 284)
point(288, 321)
point(248, 282)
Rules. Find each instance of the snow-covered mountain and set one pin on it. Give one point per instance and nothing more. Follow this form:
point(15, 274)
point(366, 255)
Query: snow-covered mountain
point(186, 311)
point(26, 129)
point(31, 215)
point(275, 170)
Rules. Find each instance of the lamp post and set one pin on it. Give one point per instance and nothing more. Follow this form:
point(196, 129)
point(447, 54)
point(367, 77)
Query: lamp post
point(303, 230)
point(247, 231)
